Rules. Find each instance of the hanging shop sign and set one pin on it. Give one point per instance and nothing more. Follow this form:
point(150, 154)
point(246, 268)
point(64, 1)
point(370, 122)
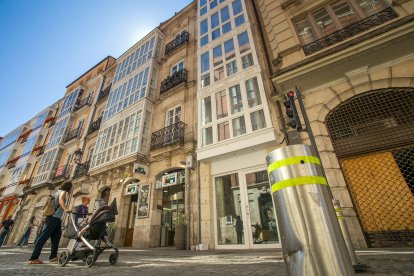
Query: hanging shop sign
point(169, 179)
point(131, 189)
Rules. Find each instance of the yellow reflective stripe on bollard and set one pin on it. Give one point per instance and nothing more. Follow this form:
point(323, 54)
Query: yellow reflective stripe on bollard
point(298, 181)
point(292, 161)
point(341, 217)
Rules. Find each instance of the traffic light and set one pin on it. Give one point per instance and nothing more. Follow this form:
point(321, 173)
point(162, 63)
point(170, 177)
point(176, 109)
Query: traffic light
point(291, 111)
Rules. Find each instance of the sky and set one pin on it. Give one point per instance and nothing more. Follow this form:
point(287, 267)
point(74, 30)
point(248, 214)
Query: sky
point(47, 44)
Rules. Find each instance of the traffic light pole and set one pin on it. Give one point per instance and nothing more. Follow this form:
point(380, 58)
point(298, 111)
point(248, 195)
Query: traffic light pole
point(335, 202)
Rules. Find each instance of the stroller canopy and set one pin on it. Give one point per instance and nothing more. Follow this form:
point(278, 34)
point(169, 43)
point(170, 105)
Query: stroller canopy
point(105, 213)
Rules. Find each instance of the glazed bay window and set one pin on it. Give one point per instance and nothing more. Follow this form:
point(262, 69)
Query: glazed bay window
point(340, 20)
point(207, 136)
point(229, 49)
point(205, 67)
point(239, 126)
point(231, 68)
point(221, 104)
point(258, 120)
point(217, 55)
point(219, 73)
point(247, 61)
point(58, 132)
point(244, 43)
point(235, 99)
point(252, 92)
point(223, 131)
point(204, 32)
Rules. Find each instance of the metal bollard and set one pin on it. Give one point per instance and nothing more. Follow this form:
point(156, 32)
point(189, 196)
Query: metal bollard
point(311, 238)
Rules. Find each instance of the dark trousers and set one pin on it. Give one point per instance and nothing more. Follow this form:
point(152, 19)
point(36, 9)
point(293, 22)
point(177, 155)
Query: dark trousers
point(24, 239)
point(52, 229)
point(3, 234)
point(239, 237)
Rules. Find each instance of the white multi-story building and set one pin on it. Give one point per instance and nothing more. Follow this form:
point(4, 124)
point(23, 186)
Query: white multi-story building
point(235, 130)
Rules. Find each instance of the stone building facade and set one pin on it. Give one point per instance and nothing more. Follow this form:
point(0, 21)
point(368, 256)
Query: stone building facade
point(353, 62)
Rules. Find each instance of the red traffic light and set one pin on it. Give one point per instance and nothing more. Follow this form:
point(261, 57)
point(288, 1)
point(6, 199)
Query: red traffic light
point(291, 94)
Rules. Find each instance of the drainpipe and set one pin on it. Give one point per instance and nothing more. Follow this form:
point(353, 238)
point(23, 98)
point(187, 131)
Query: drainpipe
point(187, 205)
point(198, 205)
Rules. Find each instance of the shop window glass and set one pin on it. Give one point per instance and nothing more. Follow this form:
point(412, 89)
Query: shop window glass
point(236, 104)
point(239, 126)
point(253, 93)
point(221, 105)
point(223, 131)
point(206, 110)
point(228, 209)
point(258, 120)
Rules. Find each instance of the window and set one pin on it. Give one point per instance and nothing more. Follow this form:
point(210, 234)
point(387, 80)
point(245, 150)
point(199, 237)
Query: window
point(247, 61)
point(204, 40)
point(217, 55)
point(203, 27)
point(203, 11)
point(258, 120)
point(305, 31)
point(239, 126)
point(237, 7)
point(244, 43)
point(219, 74)
point(344, 13)
point(40, 120)
point(205, 62)
point(223, 131)
point(226, 28)
point(203, 2)
point(58, 132)
point(225, 14)
point(229, 49)
point(371, 7)
point(205, 80)
point(215, 34)
point(206, 110)
point(324, 22)
point(231, 68)
point(253, 93)
point(239, 20)
point(173, 116)
point(177, 67)
point(69, 103)
point(215, 21)
point(207, 136)
point(236, 104)
point(221, 105)
point(213, 4)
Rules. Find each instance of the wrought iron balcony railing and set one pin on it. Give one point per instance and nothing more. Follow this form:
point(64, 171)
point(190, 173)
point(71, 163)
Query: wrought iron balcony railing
point(104, 93)
point(81, 170)
point(350, 30)
point(95, 126)
point(170, 135)
point(174, 80)
point(84, 102)
point(73, 134)
point(183, 38)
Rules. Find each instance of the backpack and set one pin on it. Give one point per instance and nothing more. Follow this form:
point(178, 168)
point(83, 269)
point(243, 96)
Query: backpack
point(50, 208)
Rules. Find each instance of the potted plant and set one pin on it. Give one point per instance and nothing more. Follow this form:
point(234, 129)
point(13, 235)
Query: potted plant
point(179, 236)
point(111, 231)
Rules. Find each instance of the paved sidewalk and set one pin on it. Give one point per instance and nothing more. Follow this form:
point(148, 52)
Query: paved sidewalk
point(173, 262)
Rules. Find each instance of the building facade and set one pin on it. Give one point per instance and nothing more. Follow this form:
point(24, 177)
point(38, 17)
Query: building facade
point(353, 61)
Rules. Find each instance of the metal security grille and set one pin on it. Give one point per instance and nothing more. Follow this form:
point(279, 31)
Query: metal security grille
point(373, 137)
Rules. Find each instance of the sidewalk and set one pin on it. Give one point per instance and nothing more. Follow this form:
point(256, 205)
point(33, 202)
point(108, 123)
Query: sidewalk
point(176, 262)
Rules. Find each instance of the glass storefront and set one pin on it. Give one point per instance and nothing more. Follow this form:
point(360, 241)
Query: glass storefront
point(245, 213)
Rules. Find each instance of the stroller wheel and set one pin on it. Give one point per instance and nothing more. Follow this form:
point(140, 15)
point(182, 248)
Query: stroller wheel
point(113, 258)
point(90, 260)
point(64, 257)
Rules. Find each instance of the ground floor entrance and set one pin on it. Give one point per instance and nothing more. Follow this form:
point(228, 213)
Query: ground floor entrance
point(244, 210)
point(132, 214)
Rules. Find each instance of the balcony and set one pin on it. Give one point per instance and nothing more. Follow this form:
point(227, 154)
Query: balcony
point(173, 80)
point(23, 138)
point(95, 126)
point(38, 150)
point(350, 30)
point(12, 162)
point(104, 93)
point(62, 172)
point(73, 134)
point(84, 102)
point(168, 136)
point(183, 38)
point(81, 170)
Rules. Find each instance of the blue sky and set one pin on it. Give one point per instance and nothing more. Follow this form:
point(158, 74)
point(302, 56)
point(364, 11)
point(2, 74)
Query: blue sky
point(47, 44)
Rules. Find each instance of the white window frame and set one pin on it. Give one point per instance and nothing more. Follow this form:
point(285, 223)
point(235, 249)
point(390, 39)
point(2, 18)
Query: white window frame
point(174, 109)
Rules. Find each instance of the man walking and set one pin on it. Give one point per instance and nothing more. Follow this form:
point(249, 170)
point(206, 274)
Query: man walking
point(7, 225)
point(52, 228)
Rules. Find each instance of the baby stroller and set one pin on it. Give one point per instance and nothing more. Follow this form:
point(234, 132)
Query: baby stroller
point(85, 243)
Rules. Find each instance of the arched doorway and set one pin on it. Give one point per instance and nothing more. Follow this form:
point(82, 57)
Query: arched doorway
point(373, 138)
point(131, 187)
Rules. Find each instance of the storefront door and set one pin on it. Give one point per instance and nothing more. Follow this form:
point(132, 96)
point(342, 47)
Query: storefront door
point(132, 214)
point(245, 212)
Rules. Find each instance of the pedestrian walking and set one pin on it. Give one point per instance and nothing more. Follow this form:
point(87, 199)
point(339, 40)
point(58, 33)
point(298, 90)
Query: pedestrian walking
point(26, 233)
point(53, 225)
point(6, 227)
point(81, 211)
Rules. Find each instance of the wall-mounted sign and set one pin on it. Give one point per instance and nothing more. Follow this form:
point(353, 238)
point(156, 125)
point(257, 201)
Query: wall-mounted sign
point(169, 179)
point(140, 169)
point(131, 189)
